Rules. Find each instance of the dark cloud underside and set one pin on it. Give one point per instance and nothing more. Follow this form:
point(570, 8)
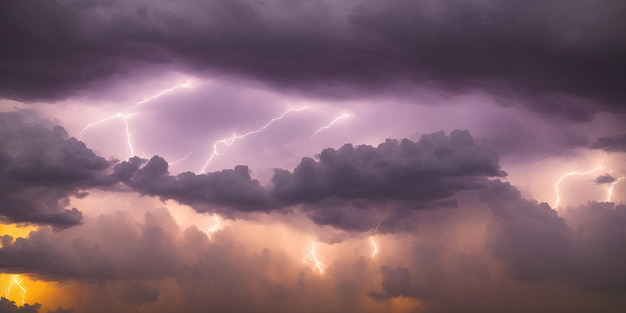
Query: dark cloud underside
point(40, 168)
point(558, 57)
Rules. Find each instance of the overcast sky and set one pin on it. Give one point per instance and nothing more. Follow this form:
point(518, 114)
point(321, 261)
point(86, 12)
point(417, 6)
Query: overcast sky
point(312, 156)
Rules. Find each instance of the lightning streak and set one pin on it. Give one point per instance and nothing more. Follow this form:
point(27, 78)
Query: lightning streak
point(609, 196)
point(557, 201)
point(215, 227)
point(124, 116)
point(180, 160)
point(186, 84)
point(374, 246)
point(18, 283)
point(230, 140)
point(319, 265)
point(333, 122)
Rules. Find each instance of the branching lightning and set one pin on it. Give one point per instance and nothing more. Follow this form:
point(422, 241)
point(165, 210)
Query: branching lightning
point(230, 140)
point(333, 122)
point(374, 246)
point(557, 201)
point(15, 281)
point(125, 116)
point(609, 190)
point(319, 265)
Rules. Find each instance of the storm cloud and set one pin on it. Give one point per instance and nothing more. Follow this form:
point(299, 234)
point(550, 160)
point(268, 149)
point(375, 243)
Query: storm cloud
point(421, 175)
point(40, 168)
point(357, 156)
point(543, 56)
point(613, 143)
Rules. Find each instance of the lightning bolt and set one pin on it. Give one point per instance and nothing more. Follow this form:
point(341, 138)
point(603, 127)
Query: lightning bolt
point(374, 246)
point(213, 229)
point(610, 189)
point(333, 122)
point(16, 281)
point(319, 265)
point(123, 117)
point(230, 140)
point(557, 201)
point(180, 160)
point(186, 84)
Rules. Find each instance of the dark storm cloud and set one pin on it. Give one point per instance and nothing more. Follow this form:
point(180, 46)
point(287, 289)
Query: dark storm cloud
point(578, 246)
point(231, 188)
point(557, 56)
point(10, 307)
point(7, 306)
point(40, 167)
point(117, 247)
point(349, 188)
point(604, 179)
point(413, 175)
point(433, 168)
point(139, 294)
point(614, 143)
point(396, 282)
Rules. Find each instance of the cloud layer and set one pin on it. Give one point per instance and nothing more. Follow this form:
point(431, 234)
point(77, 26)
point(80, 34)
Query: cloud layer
point(544, 57)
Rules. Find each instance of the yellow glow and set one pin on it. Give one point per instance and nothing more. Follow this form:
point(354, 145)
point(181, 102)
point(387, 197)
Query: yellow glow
point(16, 282)
point(406, 304)
point(21, 289)
point(16, 231)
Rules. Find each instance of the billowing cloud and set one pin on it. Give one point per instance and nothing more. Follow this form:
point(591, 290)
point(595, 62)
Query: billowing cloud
point(283, 221)
point(40, 167)
point(433, 168)
point(576, 247)
point(542, 57)
point(229, 188)
point(417, 175)
point(7, 306)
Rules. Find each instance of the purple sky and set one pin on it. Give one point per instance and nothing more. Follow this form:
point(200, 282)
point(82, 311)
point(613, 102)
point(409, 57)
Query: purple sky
point(437, 155)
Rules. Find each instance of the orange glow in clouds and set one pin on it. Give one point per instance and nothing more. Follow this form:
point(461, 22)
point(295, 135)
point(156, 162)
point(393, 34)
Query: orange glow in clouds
point(16, 281)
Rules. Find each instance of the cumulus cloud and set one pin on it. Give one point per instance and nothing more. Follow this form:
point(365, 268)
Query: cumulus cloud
point(576, 247)
point(433, 168)
point(10, 307)
point(230, 188)
point(7, 306)
point(40, 167)
point(541, 56)
point(413, 175)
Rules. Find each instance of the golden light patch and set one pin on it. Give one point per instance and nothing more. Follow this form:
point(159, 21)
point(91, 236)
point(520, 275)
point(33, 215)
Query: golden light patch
point(406, 304)
point(16, 231)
